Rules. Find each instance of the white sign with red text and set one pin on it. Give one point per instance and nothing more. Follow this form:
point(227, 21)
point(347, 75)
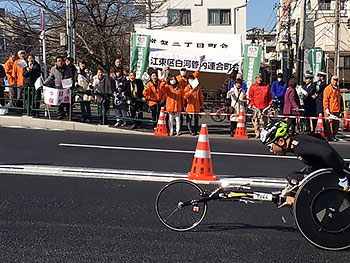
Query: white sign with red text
point(56, 96)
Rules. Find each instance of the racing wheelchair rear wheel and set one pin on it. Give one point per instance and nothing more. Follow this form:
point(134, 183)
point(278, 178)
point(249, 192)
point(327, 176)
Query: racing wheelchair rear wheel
point(322, 211)
point(177, 207)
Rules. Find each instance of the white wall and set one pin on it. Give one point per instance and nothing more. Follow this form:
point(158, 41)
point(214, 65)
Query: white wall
point(199, 16)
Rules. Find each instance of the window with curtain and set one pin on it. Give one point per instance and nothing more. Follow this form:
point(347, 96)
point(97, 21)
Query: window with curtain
point(219, 17)
point(179, 17)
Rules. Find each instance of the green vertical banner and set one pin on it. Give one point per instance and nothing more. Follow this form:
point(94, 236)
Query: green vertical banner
point(251, 65)
point(316, 60)
point(139, 54)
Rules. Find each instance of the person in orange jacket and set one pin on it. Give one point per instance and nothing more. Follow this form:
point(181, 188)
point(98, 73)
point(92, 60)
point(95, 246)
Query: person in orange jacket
point(260, 99)
point(332, 108)
point(8, 70)
point(154, 95)
point(17, 74)
point(195, 101)
point(174, 103)
point(182, 78)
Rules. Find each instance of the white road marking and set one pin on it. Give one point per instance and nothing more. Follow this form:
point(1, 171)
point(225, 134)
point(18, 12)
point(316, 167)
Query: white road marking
point(134, 175)
point(169, 150)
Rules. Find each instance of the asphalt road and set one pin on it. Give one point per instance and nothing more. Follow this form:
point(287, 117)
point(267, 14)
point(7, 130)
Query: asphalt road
point(55, 219)
point(45, 219)
point(26, 146)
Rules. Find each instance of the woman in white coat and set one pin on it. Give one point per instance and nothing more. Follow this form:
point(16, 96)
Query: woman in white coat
point(238, 102)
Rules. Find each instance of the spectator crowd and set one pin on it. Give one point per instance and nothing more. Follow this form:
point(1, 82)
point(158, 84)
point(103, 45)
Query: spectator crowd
point(177, 93)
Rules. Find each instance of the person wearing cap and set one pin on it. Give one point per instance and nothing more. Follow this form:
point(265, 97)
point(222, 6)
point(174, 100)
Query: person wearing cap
point(260, 100)
point(17, 75)
point(310, 102)
point(278, 90)
point(321, 84)
point(332, 108)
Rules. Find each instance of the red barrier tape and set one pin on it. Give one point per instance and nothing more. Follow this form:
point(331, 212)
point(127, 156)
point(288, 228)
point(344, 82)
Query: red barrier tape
point(269, 116)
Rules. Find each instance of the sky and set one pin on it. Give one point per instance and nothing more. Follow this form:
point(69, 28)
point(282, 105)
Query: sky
point(259, 14)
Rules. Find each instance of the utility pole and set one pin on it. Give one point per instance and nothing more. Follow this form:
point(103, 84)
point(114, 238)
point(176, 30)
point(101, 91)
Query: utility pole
point(149, 14)
point(336, 42)
point(70, 29)
point(43, 38)
point(289, 44)
point(301, 48)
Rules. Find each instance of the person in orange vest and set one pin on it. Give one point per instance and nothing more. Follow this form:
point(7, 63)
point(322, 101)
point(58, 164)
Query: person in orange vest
point(195, 101)
point(332, 108)
point(182, 78)
point(154, 95)
point(17, 74)
point(260, 99)
point(174, 103)
point(10, 81)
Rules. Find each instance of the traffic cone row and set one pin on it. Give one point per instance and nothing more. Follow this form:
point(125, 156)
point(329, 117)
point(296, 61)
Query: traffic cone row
point(319, 126)
point(202, 168)
point(241, 132)
point(161, 129)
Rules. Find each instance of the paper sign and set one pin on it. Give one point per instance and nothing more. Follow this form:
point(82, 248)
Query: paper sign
point(22, 64)
point(56, 96)
point(67, 83)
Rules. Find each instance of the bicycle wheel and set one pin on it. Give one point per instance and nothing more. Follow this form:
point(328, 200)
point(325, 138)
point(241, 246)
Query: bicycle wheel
point(322, 211)
point(217, 118)
point(177, 208)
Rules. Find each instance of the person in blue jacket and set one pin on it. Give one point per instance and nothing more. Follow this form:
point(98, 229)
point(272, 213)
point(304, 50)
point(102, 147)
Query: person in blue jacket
point(278, 90)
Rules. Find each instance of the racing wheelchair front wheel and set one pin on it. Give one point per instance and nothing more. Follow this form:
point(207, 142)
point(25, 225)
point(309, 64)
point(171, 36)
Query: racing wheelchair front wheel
point(322, 211)
point(178, 206)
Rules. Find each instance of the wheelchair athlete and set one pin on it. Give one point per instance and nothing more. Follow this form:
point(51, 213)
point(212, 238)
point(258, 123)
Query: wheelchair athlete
point(312, 149)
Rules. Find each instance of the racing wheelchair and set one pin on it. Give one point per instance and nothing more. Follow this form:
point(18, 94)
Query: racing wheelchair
point(321, 209)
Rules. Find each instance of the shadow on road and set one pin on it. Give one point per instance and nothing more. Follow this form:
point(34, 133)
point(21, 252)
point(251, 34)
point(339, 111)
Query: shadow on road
point(236, 226)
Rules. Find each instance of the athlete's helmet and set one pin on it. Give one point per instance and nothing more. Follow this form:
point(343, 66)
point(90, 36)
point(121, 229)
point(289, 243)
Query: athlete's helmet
point(273, 131)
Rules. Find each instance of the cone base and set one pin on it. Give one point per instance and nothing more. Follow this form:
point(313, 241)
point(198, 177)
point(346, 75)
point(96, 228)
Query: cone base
point(160, 131)
point(200, 177)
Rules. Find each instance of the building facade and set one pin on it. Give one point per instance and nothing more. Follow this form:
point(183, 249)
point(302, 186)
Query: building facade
point(320, 32)
point(200, 16)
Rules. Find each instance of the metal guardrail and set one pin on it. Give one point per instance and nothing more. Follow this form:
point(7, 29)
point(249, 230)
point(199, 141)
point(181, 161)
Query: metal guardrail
point(29, 104)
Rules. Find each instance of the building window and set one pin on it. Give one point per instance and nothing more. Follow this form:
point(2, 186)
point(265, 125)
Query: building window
point(219, 17)
point(324, 4)
point(346, 62)
point(180, 17)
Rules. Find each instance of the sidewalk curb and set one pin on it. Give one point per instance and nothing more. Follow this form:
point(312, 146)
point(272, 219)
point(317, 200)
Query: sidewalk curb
point(30, 122)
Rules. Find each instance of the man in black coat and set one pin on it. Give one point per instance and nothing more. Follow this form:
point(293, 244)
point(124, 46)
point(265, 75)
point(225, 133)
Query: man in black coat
point(133, 90)
point(30, 74)
point(310, 102)
point(321, 84)
point(2, 82)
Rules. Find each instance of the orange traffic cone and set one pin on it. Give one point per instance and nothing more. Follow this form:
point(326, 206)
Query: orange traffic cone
point(347, 122)
point(202, 168)
point(319, 127)
point(161, 125)
point(241, 130)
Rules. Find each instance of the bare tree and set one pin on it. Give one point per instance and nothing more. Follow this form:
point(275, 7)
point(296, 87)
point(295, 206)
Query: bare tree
point(102, 27)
